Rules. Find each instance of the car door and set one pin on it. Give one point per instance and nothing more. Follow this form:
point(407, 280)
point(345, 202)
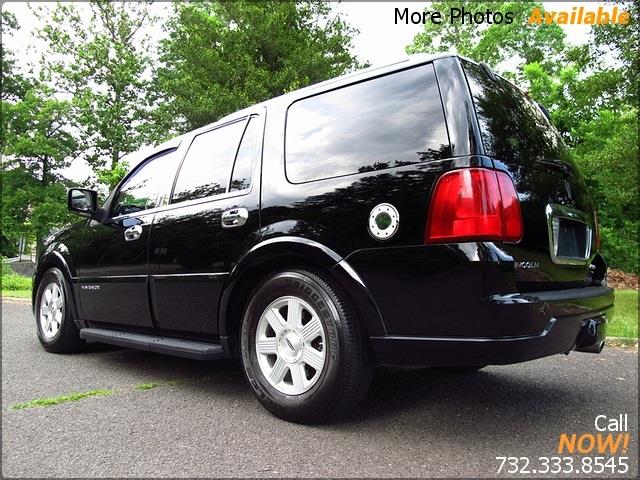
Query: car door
point(213, 215)
point(112, 263)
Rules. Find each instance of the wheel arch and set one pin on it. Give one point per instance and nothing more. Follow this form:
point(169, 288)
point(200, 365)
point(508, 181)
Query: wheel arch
point(54, 259)
point(281, 253)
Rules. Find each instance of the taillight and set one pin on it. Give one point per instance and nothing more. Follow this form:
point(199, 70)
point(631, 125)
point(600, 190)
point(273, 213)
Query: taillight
point(474, 204)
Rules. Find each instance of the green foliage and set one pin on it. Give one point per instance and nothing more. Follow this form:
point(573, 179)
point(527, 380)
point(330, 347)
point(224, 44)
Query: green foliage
point(624, 40)
point(112, 176)
point(495, 43)
point(13, 84)
point(13, 281)
point(104, 64)
point(222, 56)
point(624, 321)
point(36, 143)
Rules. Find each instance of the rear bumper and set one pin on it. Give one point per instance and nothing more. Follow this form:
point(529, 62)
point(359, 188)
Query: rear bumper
point(573, 319)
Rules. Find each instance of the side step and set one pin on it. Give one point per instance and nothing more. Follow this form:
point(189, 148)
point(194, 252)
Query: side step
point(152, 343)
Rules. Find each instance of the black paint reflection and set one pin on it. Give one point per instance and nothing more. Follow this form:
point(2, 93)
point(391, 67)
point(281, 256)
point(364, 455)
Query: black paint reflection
point(140, 191)
point(207, 165)
point(522, 141)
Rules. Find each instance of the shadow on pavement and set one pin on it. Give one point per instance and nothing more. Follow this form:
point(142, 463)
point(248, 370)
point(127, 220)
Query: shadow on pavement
point(418, 397)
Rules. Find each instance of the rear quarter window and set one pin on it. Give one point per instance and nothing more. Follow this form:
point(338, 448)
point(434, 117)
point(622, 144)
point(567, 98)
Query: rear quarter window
point(385, 122)
point(512, 125)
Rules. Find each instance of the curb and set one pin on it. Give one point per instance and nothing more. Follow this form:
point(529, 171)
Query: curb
point(621, 342)
point(15, 300)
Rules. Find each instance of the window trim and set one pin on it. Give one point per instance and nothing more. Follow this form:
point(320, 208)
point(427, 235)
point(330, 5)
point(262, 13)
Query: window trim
point(329, 90)
point(136, 169)
point(194, 136)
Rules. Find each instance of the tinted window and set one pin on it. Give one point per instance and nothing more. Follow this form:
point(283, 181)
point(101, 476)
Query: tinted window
point(207, 166)
point(241, 177)
point(511, 124)
point(386, 122)
point(140, 191)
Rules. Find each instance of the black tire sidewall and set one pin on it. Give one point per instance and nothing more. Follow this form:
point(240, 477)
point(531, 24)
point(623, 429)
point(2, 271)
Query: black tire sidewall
point(322, 392)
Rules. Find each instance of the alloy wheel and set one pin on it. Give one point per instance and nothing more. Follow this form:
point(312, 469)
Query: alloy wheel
point(290, 345)
point(51, 310)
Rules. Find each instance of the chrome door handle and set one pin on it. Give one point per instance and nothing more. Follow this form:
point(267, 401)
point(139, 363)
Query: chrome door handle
point(234, 217)
point(133, 233)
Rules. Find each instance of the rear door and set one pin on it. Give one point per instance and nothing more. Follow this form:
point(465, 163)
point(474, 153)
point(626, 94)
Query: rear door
point(558, 215)
point(112, 260)
point(213, 215)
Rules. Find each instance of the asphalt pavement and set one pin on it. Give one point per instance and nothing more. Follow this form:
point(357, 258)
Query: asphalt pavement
point(201, 420)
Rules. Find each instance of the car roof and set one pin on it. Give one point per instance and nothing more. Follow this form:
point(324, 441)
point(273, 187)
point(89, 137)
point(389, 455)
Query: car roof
point(358, 75)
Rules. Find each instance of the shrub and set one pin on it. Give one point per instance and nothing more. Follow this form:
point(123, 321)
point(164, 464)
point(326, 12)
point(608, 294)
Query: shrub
point(13, 281)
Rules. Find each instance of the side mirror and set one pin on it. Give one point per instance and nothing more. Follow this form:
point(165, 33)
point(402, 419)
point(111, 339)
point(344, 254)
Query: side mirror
point(82, 201)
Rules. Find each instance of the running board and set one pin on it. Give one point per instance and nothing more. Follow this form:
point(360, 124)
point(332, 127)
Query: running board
point(152, 343)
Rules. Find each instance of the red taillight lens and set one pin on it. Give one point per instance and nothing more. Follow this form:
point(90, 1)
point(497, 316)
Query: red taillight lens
point(474, 204)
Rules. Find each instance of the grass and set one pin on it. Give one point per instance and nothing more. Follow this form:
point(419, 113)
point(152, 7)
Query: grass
point(624, 320)
point(17, 293)
point(146, 386)
point(47, 402)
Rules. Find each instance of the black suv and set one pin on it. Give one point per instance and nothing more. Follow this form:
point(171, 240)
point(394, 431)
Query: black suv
point(423, 213)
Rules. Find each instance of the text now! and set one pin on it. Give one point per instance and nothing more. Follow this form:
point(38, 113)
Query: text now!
point(586, 443)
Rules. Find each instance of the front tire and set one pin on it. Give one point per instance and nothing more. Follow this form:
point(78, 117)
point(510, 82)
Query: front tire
point(57, 330)
point(304, 351)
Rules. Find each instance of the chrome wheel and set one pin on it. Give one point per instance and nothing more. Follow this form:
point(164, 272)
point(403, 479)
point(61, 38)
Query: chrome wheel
point(290, 345)
point(51, 310)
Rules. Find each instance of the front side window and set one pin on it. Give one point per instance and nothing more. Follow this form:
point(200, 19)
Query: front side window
point(384, 122)
point(206, 168)
point(140, 191)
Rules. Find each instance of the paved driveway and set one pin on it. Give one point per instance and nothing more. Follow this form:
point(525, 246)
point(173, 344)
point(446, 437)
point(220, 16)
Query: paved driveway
point(202, 419)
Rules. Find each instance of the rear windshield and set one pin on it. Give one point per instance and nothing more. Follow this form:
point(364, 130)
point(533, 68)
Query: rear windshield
point(512, 126)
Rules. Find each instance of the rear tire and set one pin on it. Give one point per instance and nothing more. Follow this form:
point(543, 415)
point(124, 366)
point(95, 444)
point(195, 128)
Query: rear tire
point(57, 330)
point(304, 351)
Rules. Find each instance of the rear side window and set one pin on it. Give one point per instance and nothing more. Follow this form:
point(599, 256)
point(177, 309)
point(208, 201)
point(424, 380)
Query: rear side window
point(206, 168)
point(385, 122)
point(241, 176)
point(140, 191)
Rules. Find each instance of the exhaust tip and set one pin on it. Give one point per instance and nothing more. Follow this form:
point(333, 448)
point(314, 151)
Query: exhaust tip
point(593, 348)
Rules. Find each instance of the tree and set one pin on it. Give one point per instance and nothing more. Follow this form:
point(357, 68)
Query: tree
point(13, 83)
point(495, 43)
point(103, 63)
point(222, 56)
point(38, 144)
point(624, 40)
